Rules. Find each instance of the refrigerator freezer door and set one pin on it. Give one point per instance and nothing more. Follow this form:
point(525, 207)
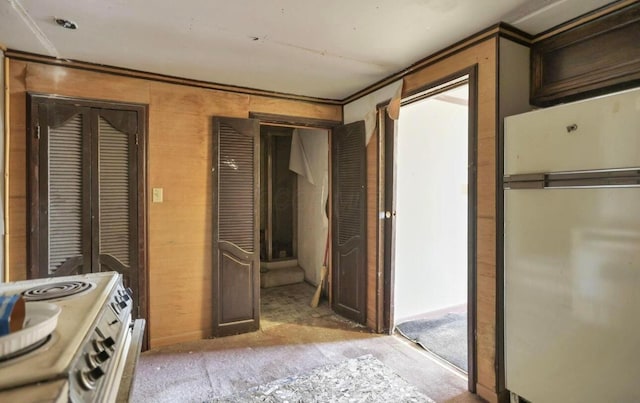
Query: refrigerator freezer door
point(572, 294)
point(599, 133)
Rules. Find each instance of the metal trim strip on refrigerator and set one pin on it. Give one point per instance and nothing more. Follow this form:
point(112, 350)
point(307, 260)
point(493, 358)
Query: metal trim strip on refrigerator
point(590, 179)
point(525, 181)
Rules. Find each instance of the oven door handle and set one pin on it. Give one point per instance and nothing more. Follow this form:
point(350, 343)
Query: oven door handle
point(126, 382)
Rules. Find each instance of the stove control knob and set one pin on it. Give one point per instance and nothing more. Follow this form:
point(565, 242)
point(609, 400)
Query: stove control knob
point(108, 342)
point(89, 378)
point(99, 358)
point(104, 344)
point(95, 374)
point(123, 304)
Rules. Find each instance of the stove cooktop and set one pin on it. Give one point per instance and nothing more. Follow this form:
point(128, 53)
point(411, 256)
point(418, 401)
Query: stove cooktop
point(81, 299)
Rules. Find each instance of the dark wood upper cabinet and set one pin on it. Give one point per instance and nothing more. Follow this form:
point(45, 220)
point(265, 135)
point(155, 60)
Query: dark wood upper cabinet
point(594, 58)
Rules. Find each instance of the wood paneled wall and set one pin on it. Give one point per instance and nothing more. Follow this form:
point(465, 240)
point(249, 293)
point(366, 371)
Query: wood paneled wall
point(484, 55)
point(178, 160)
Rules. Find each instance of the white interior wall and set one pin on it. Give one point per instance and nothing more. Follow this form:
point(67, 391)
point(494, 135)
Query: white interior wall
point(431, 197)
point(313, 223)
point(358, 109)
point(514, 79)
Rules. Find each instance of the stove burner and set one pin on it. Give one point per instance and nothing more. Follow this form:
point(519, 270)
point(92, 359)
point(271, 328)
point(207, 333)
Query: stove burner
point(56, 290)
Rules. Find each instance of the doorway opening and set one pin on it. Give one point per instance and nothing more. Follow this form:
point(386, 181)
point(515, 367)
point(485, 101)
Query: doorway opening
point(294, 224)
point(433, 183)
point(278, 207)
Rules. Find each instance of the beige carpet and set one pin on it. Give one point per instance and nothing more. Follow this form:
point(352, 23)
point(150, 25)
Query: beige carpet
point(295, 339)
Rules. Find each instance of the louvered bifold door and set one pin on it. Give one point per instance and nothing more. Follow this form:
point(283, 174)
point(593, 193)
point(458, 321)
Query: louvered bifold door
point(113, 187)
point(348, 164)
point(60, 199)
point(236, 258)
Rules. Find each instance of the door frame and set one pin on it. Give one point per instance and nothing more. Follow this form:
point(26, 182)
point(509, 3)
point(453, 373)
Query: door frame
point(387, 158)
point(33, 100)
point(271, 119)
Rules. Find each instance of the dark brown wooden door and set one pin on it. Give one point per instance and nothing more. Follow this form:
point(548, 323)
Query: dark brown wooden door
point(114, 193)
point(87, 190)
point(349, 255)
point(236, 250)
point(60, 198)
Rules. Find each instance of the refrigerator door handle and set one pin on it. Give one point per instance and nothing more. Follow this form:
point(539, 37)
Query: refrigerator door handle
point(617, 178)
point(525, 181)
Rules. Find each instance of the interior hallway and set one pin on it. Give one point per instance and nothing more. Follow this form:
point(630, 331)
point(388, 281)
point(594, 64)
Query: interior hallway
point(293, 339)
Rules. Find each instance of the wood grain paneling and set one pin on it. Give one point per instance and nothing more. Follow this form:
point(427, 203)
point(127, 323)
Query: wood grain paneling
point(485, 228)
point(17, 206)
point(486, 191)
point(486, 320)
point(83, 84)
point(484, 55)
point(306, 109)
point(196, 101)
point(18, 268)
point(178, 160)
point(156, 77)
point(183, 337)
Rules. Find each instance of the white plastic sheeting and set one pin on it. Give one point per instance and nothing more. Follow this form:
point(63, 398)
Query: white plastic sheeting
point(313, 223)
point(365, 108)
point(298, 160)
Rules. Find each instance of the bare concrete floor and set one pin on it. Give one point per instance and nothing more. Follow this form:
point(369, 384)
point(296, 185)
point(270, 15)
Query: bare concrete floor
point(293, 339)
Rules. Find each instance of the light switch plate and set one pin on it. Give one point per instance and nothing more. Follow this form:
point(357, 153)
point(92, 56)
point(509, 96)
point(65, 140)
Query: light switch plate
point(157, 195)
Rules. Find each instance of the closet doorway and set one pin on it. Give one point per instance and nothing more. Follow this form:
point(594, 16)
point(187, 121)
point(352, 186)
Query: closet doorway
point(250, 284)
point(278, 196)
point(294, 190)
point(87, 190)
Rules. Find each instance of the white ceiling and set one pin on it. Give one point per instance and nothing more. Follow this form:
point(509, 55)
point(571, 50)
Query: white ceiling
point(325, 49)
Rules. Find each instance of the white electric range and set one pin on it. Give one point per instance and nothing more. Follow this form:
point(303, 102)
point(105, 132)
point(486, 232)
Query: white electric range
point(91, 354)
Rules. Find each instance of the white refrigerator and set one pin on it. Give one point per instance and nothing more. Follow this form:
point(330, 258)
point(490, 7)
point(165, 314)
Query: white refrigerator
point(572, 251)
